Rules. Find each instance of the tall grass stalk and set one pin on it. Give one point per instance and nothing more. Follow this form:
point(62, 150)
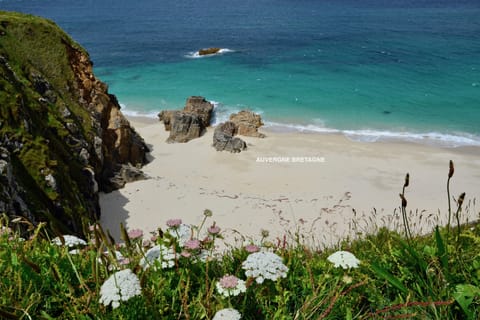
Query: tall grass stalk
point(408, 233)
point(451, 171)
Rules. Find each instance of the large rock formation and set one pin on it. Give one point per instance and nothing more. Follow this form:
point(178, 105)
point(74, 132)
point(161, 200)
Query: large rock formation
point(185, 127)
point(247, 123)
point(224, 140)
point(189, 123)
point(62, 134)
point(201, 107)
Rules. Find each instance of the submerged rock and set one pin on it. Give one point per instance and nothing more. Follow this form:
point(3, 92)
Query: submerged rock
point(204, 52)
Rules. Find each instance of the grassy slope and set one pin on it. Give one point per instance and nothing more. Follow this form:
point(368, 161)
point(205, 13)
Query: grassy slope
point(34, 48)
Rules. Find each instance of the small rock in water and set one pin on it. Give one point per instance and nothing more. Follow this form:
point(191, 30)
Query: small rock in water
point(387, 112)
point(203, 52)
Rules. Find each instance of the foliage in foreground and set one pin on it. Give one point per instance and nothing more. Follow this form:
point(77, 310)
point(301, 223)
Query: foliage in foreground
point(179, 274)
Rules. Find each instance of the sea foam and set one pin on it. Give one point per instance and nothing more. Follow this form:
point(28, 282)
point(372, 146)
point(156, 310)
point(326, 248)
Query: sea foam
point(457, 139)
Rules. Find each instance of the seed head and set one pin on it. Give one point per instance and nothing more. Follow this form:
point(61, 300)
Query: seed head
point(452, 169)
point(460, 200)
point(207, 213)
point(407, 180)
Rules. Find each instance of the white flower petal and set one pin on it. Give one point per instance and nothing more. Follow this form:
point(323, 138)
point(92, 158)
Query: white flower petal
point(344, 259)
point(227, 314)
point(70, 241)
point(264, 265)
point(120, 286)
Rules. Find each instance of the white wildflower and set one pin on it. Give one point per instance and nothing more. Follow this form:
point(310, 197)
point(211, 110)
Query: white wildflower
point(74, 251)
point(164, 254)
point(182, 233)
point(344, 259)
point(227, 314)
point(70, 241)
point(264, 265)
point(230, 286)
point(120, 286)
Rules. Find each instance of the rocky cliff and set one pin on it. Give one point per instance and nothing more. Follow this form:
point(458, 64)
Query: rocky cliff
point(62, 134)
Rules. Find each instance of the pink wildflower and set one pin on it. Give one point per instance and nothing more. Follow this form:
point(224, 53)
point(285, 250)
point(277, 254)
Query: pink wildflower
point(124, 261)
point(192, 244)
point(135, 233)
point(251, 248)
point(174, 223)
point(154, 238)
point(214, 229)
point(228, 282)
point(186, 254)
point(146, 243)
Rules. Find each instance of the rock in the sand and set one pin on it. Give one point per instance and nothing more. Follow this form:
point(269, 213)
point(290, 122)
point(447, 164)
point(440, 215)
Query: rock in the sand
point(201, 107)
point(165, 116)
point(223, 138)
point(247, 123)
point(204, 52)
point(185, 127)
point(189, 123)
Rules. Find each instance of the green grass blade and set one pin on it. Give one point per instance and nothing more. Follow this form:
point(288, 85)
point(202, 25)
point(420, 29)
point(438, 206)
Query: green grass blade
point(383, 273)
point(441, 251)
point(464, 295)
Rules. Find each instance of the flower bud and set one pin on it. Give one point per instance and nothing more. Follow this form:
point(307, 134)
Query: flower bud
point(207, 213)
point(452, 169)
point(460, 200)
point(407, 180)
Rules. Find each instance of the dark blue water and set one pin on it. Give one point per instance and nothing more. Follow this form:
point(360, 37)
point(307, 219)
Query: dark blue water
point(370, 69)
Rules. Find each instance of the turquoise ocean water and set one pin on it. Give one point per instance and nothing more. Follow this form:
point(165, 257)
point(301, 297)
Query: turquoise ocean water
point(372, 70)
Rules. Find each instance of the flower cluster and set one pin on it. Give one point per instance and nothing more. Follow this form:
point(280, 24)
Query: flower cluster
point(120, 286)
point(264, 265)
point(182, 232)
point(174, 223)
point(214, 230)
point(164, 254)
point(135, 234)
point(227, 314)
point(70, 241)
point(230, 286)
point(251, 248)
point(344, 259)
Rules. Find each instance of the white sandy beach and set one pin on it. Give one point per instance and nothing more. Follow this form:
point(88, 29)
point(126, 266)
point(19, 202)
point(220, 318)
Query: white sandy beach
point(315, 198)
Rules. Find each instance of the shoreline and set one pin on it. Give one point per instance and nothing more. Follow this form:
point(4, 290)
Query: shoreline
point(427, 138)
point(354, 189)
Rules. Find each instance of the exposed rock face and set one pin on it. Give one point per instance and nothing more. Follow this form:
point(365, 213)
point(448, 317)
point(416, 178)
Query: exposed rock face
point(166, 116)
point(247, 123)
point(62, 134)
point(203, 52)
point(189, 123)
point(223, 138)
point(201, 107)
point(11, 194)
point(120, 144)
point(185, 127)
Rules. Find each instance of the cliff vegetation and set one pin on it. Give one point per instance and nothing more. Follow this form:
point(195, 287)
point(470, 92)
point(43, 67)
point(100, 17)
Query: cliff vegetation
point(62, 135)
